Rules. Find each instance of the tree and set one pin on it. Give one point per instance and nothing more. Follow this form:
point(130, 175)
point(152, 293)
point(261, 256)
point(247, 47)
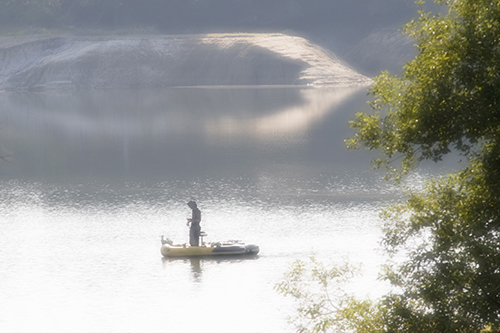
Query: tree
point(448, 98)
point(322, 303)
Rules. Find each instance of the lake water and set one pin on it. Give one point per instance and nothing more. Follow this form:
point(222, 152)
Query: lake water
point(94, 178)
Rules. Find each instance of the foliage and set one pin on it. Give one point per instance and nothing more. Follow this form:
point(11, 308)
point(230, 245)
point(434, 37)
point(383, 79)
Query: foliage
point(446, 99)
point(322, 303)
point(447, 96)
point(451, 279)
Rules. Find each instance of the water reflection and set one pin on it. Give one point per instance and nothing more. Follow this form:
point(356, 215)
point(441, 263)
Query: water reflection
point(196, 264)
point(289, 119)
point(157, 135)
point(99, 176)
point(196, 268)
point(118, 282)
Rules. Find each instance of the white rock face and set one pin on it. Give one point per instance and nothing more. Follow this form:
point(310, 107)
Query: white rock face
point(46, 63)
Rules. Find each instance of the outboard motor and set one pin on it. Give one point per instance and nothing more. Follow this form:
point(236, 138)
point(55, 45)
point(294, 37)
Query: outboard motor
point(166, 241)
point(252, 248)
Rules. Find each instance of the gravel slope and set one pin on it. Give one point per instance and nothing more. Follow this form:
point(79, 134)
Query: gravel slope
point(67, 62)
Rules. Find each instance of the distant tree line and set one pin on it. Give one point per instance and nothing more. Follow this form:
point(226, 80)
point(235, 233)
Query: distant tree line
point(195, 16)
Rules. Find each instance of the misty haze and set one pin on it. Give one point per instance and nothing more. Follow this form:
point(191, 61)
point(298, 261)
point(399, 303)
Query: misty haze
point(114, 114)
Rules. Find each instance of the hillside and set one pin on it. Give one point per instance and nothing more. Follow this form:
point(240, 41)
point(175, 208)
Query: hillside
point(349, 28)
point(71, 62)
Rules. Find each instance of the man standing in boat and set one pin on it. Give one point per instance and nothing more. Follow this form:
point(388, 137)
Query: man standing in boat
point(194, 231)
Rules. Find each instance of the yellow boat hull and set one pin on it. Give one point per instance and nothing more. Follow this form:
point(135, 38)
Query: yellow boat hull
point(185, 250)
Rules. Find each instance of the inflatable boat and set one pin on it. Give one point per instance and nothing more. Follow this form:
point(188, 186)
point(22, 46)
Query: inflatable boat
point(227, 248)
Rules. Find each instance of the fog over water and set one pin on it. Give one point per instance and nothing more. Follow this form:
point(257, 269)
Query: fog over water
point(95, 178)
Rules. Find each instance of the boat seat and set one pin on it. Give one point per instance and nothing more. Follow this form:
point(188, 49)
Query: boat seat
point(202, 234)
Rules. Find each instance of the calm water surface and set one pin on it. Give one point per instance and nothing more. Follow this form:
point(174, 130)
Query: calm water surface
point(94, 179)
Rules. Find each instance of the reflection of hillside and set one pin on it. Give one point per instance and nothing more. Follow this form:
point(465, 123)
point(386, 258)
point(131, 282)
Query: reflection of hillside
point(188, 131)
point(296, 119)
point(233, 112)
point(133, 113)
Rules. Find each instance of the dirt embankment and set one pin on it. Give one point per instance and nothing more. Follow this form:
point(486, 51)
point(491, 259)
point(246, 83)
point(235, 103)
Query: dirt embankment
point(67, 62)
